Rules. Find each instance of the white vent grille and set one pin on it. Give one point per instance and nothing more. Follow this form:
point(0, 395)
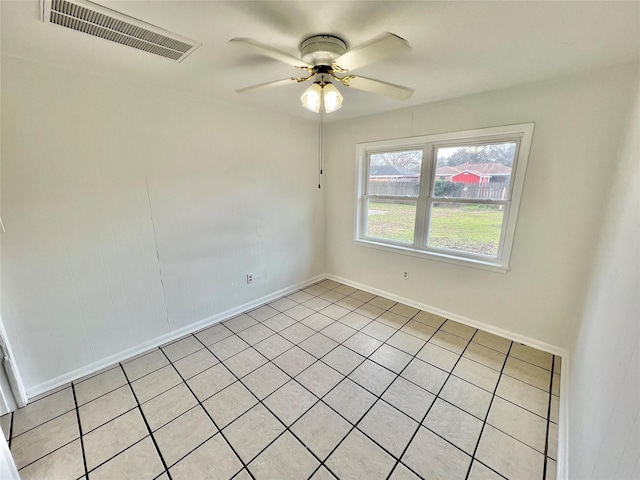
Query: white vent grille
point(101, 22)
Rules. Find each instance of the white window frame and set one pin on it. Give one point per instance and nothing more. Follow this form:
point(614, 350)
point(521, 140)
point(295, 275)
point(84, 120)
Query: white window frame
point(521, 134)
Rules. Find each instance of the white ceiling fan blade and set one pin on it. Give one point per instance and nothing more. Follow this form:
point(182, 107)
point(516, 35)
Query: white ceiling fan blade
point(264, 86)
point(268, 51)
point(381, 88)
point(384, 46)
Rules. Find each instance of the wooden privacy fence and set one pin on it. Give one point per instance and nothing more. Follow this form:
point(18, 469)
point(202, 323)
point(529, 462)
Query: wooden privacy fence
point(402, 188)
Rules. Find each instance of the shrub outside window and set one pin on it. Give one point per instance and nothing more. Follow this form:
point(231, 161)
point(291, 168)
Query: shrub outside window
point(452, 197)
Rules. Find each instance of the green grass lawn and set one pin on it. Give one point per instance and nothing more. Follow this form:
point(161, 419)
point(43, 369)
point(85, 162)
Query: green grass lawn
point(467, 229)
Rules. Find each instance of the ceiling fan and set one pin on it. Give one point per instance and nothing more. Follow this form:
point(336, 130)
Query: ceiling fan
point(326, 58)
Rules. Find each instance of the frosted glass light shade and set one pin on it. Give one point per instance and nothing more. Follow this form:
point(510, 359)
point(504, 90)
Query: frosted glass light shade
point(332, 98)
point(312, 98)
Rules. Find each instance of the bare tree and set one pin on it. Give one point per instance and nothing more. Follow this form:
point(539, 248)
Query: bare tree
point(409, 159)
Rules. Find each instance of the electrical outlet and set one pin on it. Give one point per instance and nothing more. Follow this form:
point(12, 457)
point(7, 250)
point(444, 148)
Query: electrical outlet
point(405, 275)
point(249, 278)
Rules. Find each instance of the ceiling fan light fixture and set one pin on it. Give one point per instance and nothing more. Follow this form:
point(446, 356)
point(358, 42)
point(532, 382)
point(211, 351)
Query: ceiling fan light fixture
point(332, 98)
point(312, 98)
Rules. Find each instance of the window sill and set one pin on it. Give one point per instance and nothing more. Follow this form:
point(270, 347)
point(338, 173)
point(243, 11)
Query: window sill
point(429, 255)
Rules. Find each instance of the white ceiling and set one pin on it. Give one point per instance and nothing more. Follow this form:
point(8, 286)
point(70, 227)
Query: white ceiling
point(459, 48)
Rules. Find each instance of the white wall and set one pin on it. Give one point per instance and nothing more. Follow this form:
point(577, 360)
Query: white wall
point(579, 124)
point(604, 393)
point(132, 212)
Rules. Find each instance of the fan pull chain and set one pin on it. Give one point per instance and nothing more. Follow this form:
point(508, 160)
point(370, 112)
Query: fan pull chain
point(320, 146)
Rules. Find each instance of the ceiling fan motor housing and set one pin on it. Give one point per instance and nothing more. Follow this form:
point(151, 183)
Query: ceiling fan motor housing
point(322, 49)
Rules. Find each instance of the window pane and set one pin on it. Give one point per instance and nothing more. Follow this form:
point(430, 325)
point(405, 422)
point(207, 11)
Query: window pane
point(466, 227)
point(391, 219)
point(474, 171)
point(395, 173)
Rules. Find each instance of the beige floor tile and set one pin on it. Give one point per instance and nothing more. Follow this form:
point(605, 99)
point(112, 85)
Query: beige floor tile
point(523, 394)
point(36, 413)
point(140, 462)
point(431, 319)
point(391, 319)
point(405, 342)
point(481, 472)
point(438, 356)
point(319, 378)
point(110, 439)
point(557, 365)
point(279, 322)
point(290, 402)
point(255, 334)
point(409, 398)
point(318, 345)
point(424, 375)
point(162, 409)
point(389, 427)
point(316, 290)
point(321, 429)
point(362, 344)
point(432, 457)
point(382, 302)
point(228, 347)
point(64, 464)
point(294, 361)
point(263, 313)
point(554, 415)
point(378, 330)
point(338, 332)
point(373, 377)
point(334, 311)
point(322, 474)
point(273, 346)
point(362, 295)
point(479, 375)
point(555, 386)
point(282, 304)
point(299, 312)
point(552, 469)
point(155, 383)
point(195, 363)
point(252, 432)
point(391, 358)
point(331, 296)
point(485, 355)
point(284, 458)
point(228, 404)
point(454, 425)
point(418, 329)
point(316, 304)
point(350, 400)
point(106, 408)
point(508, 456)
point(177, 350)
point(346, 289)
point(403, 473)
point(459, 329)
point(213, 334)
point(449, 341)
point(5, 424)
point(300, 296)
point(239, 323)
point(468, 397)
point(404, 310)
point(44, 439)
point(355, 320)
point(265, 380)
point(245, 362)
point(297, 332)
point(369, 311)
point(492, 341)
point(343, 360)
point(318, 321)
point(552, 450)
point(145, 364)
point(210, 381)
point(212, 460)
point(99, 385)
point(180, 436)
point(531, 355)
point(521, 424)
point(528, 373)
point(357, 458)
point(350, 303)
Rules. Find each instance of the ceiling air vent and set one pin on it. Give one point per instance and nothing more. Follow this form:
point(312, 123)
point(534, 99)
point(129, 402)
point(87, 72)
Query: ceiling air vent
point(102, 22)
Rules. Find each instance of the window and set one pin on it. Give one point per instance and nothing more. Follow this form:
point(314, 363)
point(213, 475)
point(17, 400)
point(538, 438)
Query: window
point(453, 196)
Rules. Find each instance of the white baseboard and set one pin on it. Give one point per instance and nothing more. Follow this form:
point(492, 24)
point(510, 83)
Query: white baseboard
point(563, 434)
point(161, 340)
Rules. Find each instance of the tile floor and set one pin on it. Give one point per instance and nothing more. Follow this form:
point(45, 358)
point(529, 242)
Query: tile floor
point(328, 382)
